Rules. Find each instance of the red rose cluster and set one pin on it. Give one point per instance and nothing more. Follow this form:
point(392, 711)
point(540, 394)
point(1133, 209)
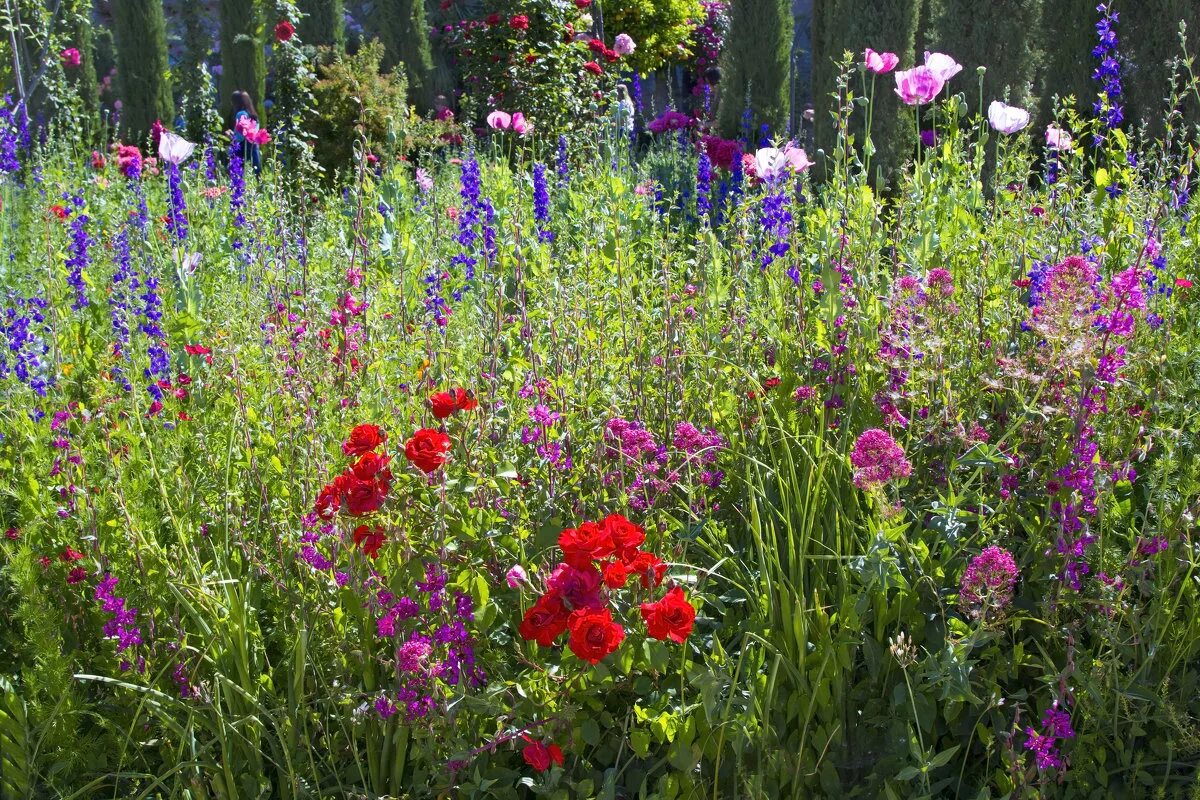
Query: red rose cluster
point(598, 47)
point(599, 558)
point(362, 487)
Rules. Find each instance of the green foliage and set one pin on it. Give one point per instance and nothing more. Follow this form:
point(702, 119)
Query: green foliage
point(243, 61)
point(405, 37)
point(834, 652)
point(661, 29)
point(323, 23)
point(294, 108)
point(754, 70)
point(141, 41)
point(356, 104)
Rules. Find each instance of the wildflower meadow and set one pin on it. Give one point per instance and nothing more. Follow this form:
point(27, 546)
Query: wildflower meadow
point(558, 442)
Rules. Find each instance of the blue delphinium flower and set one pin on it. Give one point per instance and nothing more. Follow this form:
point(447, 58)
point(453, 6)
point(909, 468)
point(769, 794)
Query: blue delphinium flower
point(124, 282)
point(564, 166)
point(177, 222)
point(776, 222)
point(79, 259)
point(541, 203)
point(1108, 107)
point(704, 187)
point(8, 137)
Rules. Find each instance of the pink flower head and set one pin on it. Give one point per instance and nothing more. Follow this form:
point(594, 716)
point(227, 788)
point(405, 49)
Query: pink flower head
point(1007, 119)
point(499, 120)
point(70, 57)
point(250, 131)
point(797, 158)
point(520, 125)
point(918, 86)
point(989, 579)
point(877, 459)
point(424, 181)
point(942, 65)
point(624, 45)
point(516, 576)
point(880, 63)
point(1058, 139)
point(173, 148)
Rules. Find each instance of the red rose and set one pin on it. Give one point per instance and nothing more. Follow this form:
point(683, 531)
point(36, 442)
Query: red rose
point(615, 574)
point(443, 404)
point(362, 439)
point(530, 58)
point(77, 575)
point(493, 19)
point(284, 30)
point(594, 634)
point(670, 618)
point(582, 4)
point(427, 449)
point(545, 620)
point(596, 46)
point(539, 756)
point(364, 497)
point(59, 211)
point(594, 68)
point(372, 466)
point(649, 566)
point(69, 555)
point(519, 22)
point(626, 536)
point(585, 544)
point(369, 539)
point(328, 501)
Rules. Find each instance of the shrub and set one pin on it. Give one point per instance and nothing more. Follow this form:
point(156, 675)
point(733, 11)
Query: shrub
point(355, 101)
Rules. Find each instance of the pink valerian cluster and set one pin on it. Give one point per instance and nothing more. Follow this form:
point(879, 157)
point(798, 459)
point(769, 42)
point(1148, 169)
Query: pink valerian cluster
point(655, 469)
point(877, 459)
point(1056, 725)
point(987, 585)
point(432, 647)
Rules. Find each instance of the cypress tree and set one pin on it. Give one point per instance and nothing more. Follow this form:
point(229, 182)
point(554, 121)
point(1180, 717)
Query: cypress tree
point(1148, 39)
point(854, 25)
point(199, 108)
point(405, 39)
point(323, 23)
point(243, 62)
point(755, 66)
point(1000, 35)
point(141, 38)
point(1068, 38)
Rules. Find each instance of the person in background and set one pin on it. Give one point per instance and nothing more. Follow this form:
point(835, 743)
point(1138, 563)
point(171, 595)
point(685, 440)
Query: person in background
point(622, 111)
point(441, 109)
point(243, 109)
